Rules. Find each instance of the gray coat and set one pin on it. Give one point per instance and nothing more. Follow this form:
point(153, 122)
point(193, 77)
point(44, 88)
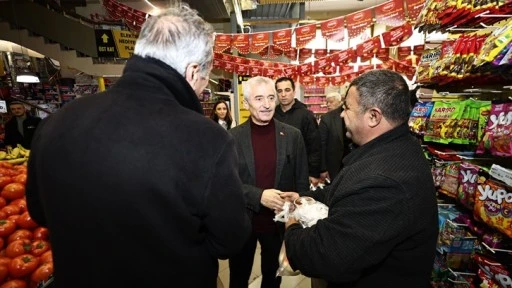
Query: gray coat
point(292, 164)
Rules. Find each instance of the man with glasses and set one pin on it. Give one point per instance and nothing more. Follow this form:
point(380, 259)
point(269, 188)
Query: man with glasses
point(382, 225)
point(295, 113)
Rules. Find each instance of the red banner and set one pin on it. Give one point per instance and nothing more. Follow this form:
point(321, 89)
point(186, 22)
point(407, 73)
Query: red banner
point(320, 53)
point(382, 54)
point(305, 69)
point(242, 70)
point(222, 42)
point(307, 80)
point(240, 60)
point(338, 80)
point(271, 52)
point(241, 43)
point(255, 71)
point(291, 54)
point(390, 13)
point(229, 67)
point(322, 81)
point(259, 41)
point(282, 39)
point(414, 8)
point(320, 64)
point(333, 29)
point(227, 58)
point(368, 48)
point(397, 35)
point(290, 71)
point(330, 69)
point(217, 63)
point(358, 22)
point(272, 72)
point(304, 54)
point(255, 62)
point(345, 56)
point(304, 35)
point(404, 53)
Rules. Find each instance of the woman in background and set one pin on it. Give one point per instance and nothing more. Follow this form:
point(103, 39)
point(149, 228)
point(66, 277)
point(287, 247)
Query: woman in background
point(222, 115)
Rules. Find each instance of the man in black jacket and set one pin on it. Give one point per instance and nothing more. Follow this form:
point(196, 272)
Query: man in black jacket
point(21, 127)
point(136, 186)
point(381, 229)
point(295, 113)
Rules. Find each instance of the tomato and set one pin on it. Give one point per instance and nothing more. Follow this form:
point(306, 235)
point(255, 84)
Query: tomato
point(13, 191)
point(6, 228)
point(3, 202)
point(22, 179)
point(6, 165)
point(11, 210)
point(21, 203)
point(3, 215)
point(4, 272)
point(5, 171)
point(46, 257)
point(13, 218)
point(18, 247)
point(39, 247)
point(43, 272)
point(2, 242)
point(16, 283)
point(20, 234)
point(41, 233)
point(23, 265)
point(4, 180)
point(26, 222)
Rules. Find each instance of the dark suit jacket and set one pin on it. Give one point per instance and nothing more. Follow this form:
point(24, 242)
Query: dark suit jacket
point(292, 163)
point(13, 136)
point(145, 180)
point(334, 141)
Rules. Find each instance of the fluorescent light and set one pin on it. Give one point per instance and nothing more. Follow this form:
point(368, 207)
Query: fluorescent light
point(27, 77)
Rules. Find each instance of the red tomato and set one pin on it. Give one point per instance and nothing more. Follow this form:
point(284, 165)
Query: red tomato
point(46, 257)
point(6, 228)
point(4, 272)
point(2, 242)
point(3, 215)
point(22, 179)
point(39, 247)
point(16, 283)
point(6, 165)
point(13, 218)
point(26, 222)
point(41, 233)
point(5, 260)
point(21, 203)
point(20, 234)
point(43, 272)
point(23, 265)
point(2, 202)
point(18, 247)
point(5, 171)
point(4, 180)
point(11, 210)
point(13, 191)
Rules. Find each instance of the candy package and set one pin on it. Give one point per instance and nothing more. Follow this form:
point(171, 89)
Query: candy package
point(419, 117)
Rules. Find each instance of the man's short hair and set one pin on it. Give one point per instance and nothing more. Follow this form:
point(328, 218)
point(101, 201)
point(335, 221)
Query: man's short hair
point(248, 85)
point(16, 103)
point(284, 79)
point(334, 95)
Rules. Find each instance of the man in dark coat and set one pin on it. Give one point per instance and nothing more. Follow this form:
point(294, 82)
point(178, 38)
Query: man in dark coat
point(334, 141)
point(142, 190)
point(381, 229)
point(272, 159)
point(295, 113)
point(21, 127)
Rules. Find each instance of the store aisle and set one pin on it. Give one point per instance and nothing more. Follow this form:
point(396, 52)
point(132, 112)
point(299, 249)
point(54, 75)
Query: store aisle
point(288, 282)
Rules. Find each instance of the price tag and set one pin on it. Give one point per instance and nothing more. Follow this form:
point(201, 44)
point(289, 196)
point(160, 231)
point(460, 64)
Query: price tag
point(501, 174)
point(3, 106)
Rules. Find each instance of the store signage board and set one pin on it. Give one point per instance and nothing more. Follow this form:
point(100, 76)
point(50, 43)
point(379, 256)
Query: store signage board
point(105, 44)
point(125, 42)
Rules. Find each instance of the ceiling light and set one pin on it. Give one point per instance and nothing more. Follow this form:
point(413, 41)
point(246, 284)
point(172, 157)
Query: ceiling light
point(26, 77)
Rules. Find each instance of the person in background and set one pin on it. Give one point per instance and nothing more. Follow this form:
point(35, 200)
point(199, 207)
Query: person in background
point(382, 225)
point(334, 141)
point(333, 100)
point(21, 127)
point(295, 113)
point(222, 115)
point(272, 159)
point(143, 181)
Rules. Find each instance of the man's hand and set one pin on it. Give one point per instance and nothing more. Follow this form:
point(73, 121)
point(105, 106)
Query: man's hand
point(289, 196)
point(291, 221)
point(271, 198)
point(325, 178)
point(314, 181)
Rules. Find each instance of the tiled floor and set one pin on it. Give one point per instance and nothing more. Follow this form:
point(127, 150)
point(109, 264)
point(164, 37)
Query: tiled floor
point(255, 279)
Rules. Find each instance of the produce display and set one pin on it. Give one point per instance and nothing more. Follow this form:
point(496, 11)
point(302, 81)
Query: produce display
point(25, 254)
point(17, 155)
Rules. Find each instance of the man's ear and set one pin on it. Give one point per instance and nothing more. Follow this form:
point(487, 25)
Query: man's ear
point(246, 104)
point(375, 116)
point(191, 72)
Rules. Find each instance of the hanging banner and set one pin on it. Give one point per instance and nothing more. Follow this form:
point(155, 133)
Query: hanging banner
point(217, 63)
point(255, 71)
point(333, 29)
point(338, 80)
point(322, 81)
point(241, 43)
point(280, 65)
point(397, 35)
point(320, 53)
point(414, 8)
point(307, 80)
point(254, 62)
point(403, 53)
point(382, 54)
point(305, 69)
point(304, 35)
point(367, 49)
point(259, 41)
point(272, 72)
point(271, 52)
point(229, 67)
point(291, 54)
point(242, 69)
point(282, 39)
point(358, 22)
point(390, 13)
point(330, 69)
point(240, 60)
point(418, 50)
point(304, 54)
point(290, 71)
point(227, 58)
point(345, 56)
point(319, 64)
point(222, 42)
